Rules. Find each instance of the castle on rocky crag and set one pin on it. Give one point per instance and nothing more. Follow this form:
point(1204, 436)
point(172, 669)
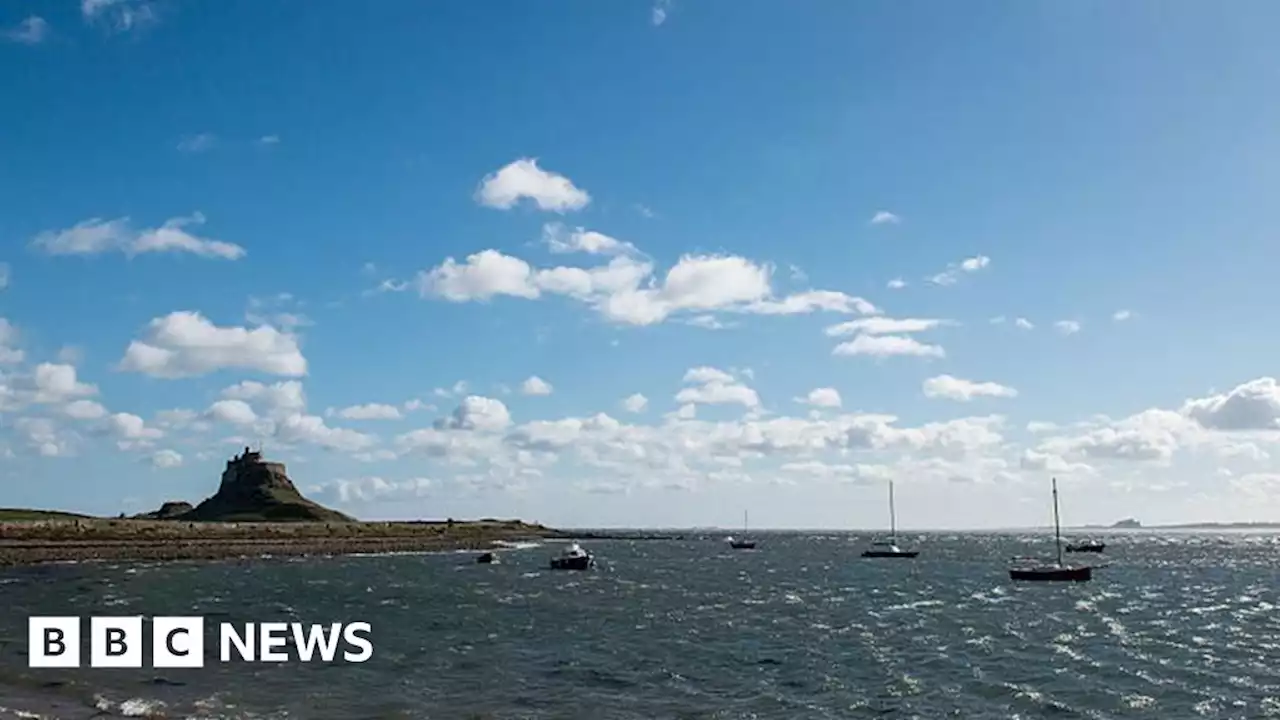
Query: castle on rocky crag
point(252, 489)
point(249, 468)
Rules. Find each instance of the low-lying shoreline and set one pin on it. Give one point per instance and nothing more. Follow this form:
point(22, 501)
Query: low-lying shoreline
point(29, 543)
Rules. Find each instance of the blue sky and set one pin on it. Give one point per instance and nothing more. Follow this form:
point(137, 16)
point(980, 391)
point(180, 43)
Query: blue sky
point(355, 234)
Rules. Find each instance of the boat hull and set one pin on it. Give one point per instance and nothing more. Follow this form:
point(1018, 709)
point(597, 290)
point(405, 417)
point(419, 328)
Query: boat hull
point(1085, 548)
point(743, 545)
point(487, 559)
point(903, 554)
point(1052, 574)
point(573, 563)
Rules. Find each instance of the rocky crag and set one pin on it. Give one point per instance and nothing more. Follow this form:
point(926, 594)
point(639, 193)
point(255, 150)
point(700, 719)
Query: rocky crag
point(255, 490)
point(171, 510)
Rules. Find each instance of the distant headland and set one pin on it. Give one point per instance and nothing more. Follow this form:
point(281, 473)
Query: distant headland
point(257, 510)
point(1132, 524)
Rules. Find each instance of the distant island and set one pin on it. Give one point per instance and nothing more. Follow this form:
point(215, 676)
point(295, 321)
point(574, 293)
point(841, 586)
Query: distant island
point(1132, 524)
point(257, 510)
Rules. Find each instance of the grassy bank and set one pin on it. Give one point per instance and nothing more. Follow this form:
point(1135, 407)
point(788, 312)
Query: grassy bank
point(29, 541)
point(25, 515)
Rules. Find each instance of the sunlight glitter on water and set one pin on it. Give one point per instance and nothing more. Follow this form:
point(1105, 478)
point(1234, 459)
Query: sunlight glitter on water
point(798, 629)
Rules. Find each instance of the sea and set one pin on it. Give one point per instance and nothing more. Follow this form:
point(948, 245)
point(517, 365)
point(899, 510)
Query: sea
point(1173, 625)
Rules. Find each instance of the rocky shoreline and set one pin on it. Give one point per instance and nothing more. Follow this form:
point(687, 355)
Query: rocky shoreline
point(28, 543)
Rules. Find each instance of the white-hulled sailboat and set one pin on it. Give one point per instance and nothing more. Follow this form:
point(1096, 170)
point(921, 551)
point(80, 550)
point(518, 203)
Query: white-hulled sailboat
point(889, 548)
point(742, 543)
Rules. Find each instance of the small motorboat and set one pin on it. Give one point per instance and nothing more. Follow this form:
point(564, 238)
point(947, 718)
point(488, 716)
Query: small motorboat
point(573, 558)
point(887, 549)
point(1088, 546)
point(487, 558)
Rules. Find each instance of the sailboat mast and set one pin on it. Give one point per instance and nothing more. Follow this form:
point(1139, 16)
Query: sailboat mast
point(744, 521)
point(1057, 529)
point(893, 515)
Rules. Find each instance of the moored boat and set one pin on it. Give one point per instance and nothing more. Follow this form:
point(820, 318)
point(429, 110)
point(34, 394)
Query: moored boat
point(573, 558)
point(487, 558)
point(743, 543)
point(1087, 546)
point(1052, 572)
point(889, 548)
point(886, 549)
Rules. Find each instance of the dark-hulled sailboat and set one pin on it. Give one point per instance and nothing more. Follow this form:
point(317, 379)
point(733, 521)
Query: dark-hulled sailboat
point(1056, 572)
point(889, 548)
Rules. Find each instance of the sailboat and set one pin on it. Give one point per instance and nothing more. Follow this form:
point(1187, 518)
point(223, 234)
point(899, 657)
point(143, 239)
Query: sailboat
point(889, 548)
point(1057, 572)
point(744, 543)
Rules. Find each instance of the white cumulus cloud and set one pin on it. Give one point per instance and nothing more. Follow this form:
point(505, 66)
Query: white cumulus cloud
point(372, 411)
point(275, 401)
point(313, 430)
point(130, 427)
point(235, 412)
point(483, 275)
point(635, 403)
point(560, 239)
point(1254, 405)
point(822, 398)
point(712, 386)
point(476, 412)
point(186, 344)
point(535, 385)
point(523, 179)
point(887, 346)
point(56, 383)
point(626, 291)
point(84, 410)
point(954, 388)
point(883, 326)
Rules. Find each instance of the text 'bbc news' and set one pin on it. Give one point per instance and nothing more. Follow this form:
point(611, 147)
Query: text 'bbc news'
point(179, 642)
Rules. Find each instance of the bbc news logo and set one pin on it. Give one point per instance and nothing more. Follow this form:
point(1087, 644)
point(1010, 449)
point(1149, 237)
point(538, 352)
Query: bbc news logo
point(178, 642)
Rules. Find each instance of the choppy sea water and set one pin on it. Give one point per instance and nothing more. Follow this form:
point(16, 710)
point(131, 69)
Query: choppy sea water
point(1177, 626)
